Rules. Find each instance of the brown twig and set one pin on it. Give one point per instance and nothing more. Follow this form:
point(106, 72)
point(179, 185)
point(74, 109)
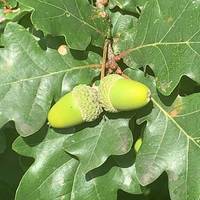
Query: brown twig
point(105, 51)
point(110, 60)
point(111, 63)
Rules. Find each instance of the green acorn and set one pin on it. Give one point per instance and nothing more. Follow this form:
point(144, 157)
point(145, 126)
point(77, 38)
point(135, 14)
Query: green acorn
point(138, 144)
point(119, 94)
point(78, 106)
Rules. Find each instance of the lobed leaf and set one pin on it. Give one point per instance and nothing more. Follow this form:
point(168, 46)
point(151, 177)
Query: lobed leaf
point(77, 20)
point(56, 175)
point(94, 145)
point(171, 143)
point(31, 78)
point(167, 39)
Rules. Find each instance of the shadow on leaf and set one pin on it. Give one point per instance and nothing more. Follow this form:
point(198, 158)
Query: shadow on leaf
point(122, 161)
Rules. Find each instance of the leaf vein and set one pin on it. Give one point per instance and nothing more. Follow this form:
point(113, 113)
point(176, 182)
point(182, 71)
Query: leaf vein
point(175, 22)
point(175, 123)
point(45, 75)
point(80, 20)
point(165, 61)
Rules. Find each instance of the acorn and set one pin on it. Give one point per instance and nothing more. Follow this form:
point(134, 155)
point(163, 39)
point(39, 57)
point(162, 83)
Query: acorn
point(117, 93)
point(78, 106)
point(138, 144)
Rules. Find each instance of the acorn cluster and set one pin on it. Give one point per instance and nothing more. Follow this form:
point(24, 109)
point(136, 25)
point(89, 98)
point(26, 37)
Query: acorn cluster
point(84, 103)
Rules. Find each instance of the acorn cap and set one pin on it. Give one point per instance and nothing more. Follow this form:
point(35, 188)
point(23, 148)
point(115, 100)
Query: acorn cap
point(104, 91)
point(88, 102)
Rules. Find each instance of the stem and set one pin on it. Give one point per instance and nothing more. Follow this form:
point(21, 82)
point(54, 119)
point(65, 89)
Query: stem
point(105, 51)
point(95, 65)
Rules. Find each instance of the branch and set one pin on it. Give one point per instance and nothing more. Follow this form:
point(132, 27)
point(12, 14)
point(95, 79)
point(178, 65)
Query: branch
point(105, 51)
